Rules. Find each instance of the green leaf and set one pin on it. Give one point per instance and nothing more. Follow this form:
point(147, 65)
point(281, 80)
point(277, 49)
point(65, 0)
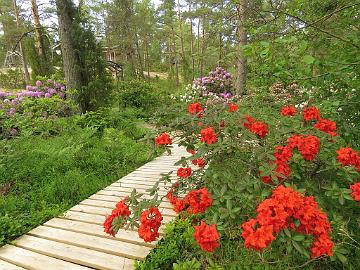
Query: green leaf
point(308, 59)
point(298, 238)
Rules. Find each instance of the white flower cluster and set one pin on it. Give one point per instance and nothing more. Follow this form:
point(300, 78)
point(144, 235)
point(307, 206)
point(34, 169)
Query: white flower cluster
point(191, 91)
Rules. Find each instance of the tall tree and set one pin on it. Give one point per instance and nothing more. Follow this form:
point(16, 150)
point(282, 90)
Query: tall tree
point(241, 71)
point(21, 45)
point(71, 62)
point(38, 29)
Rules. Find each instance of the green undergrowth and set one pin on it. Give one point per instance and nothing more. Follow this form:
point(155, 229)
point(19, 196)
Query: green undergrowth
point(42, 176)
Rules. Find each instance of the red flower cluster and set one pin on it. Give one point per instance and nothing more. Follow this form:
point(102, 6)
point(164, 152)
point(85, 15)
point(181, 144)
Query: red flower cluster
point(208, 135)
point(348, 157)
point(233, 107)
point(288, 110)
point(308, 146)
point(195, 108)
point(199, 162)
point(279, 212)
point(195, 202)
point(117, 219)
point(355, 191)
point(282, 154)
point(150, 222)
point(311, 113)
point(163, 139)
point(207, 236)
point(184, 172)
point(257, 127)
point(327, 126)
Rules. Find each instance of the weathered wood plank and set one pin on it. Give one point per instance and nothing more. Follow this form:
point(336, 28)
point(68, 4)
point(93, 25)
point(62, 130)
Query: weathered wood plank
point(97, 230)
point(167, 215)
point(92, 218)
point(35, 261)
point(9, 266)
point(115, 199)
point(111, 205)
point(127, 189)
point(77, 255)
point(104, 245)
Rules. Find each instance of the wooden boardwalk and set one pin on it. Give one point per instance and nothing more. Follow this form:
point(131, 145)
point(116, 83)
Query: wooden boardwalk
point(76, 241)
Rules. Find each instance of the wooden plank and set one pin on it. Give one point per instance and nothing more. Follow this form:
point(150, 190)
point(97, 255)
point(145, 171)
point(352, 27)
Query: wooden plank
point(111, 205)
point(104, 245)
point(84, 217)
point(107, 211)
point(119, 191)
point(115, 199)
point(134, 185)
point(97, 230)
point(144, 182)
point(35, 261)
point(78, 255)
point(8, 266)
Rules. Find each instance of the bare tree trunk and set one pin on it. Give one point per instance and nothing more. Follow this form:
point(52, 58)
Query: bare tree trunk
point(192, 43)
point(70, 58)
point(202, 47)
point(221, 39)
point(21, 46)
point(38, 34)
point(175, 56)
point(183, 58)
point(241, 71)
point(139, 56)
point(147, 58)
point(198, 45)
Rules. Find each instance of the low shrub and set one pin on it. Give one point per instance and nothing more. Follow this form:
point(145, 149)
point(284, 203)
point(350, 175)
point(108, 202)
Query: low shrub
point(138, 94)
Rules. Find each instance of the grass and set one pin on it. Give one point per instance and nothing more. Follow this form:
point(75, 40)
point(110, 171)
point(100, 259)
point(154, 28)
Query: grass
point(41, 177)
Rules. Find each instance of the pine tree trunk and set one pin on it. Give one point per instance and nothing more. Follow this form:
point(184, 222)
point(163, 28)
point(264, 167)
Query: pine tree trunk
point(191, 42)
point(70, 59)
point(21, 46)
point(241, 71)
point(38, 34)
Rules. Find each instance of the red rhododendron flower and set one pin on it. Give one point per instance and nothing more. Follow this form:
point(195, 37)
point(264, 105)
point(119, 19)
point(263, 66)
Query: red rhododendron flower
point(295, 141)
point(199, 162)
point(163, 139)
point(355, 191)
point(282, 168)
point(259, 128)
point(256, 239)
point(184, 172)
point(178, 204)
point(191, 151)
point(309, 147)
point(248, 121)
point(195, 108)
point(198, 201)
point(108, 225)
point(208, 135)
point(150, 222)
point(283, 153)
point(233, 107)
point(288, 110)
point(207, 236)
point(278, 212)
point(322, 246)
point(311, 113)
point(347, 156)
point(117, 219)
point(327, 126)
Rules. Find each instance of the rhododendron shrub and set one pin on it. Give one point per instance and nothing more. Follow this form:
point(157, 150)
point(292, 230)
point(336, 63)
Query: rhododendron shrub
point(280, 182)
